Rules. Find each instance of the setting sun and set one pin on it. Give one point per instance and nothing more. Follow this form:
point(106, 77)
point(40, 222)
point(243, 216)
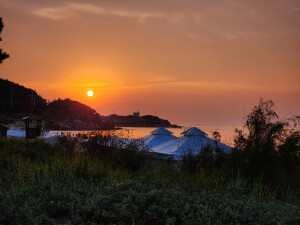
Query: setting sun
point(203, 90)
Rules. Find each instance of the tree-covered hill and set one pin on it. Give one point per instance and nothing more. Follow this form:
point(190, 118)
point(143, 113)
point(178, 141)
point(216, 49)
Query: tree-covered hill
point(72, 110)
point(16, 99)
point(69, 114)
point(142, 121)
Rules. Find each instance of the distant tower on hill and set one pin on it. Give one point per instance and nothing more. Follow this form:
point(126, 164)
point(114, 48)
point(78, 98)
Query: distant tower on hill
point(136, 114)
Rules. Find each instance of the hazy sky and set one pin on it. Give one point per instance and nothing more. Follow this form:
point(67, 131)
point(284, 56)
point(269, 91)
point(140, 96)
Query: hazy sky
point(192, 62)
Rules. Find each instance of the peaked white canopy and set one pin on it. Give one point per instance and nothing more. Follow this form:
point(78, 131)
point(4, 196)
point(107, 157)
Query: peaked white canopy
point(194, 131)
point(161, 131)
point(158, 137)
point(194, 140)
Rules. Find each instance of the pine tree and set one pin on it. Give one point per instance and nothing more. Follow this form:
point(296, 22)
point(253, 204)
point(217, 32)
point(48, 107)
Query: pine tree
point(3, 55)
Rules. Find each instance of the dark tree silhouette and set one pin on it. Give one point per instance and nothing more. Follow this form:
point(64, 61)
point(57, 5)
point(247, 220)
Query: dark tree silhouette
point(3, 55)
point(269, 147)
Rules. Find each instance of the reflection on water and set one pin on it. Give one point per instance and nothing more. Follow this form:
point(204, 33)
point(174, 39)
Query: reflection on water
point(227, 133)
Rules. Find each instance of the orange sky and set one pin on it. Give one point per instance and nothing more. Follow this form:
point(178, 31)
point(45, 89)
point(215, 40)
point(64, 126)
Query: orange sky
point(192, 62)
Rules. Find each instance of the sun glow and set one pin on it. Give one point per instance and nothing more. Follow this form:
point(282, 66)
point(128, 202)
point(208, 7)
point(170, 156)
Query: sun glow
point(90, 93)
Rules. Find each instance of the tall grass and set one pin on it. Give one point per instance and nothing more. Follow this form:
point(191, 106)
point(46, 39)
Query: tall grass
point(54, 184)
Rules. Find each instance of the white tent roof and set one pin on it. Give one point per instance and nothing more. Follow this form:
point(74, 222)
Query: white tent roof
point(158, 137)
point(194, 131)
point(152, 141)
point(161, 131)
point(195, 143)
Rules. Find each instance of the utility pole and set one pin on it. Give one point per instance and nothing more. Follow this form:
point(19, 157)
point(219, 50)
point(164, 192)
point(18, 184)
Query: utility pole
point(34, 100)
point(31, 103)
point(11, 100)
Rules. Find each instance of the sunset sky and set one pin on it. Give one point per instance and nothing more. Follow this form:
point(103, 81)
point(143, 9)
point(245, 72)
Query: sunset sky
point(192, 62)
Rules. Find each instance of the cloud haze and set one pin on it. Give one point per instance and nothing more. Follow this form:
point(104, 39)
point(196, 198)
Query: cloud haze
point(193, 62)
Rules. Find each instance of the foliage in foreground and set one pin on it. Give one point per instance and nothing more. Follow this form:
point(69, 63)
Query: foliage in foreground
point(267, 148)
point(41, 184)
point(3, 55)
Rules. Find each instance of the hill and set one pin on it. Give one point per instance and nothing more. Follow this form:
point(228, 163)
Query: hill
point(69, 114)
point(18, 101)
point(134, 121)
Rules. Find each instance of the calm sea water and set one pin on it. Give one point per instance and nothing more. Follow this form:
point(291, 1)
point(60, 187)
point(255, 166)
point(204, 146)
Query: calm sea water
point(227, 133)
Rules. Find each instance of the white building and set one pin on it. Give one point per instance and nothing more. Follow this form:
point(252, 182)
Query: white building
point(136, 114)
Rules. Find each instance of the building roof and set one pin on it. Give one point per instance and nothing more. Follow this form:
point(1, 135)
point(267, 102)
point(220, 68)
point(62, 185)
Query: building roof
point(185, 144)
point(152, 141)
point(161, 131)
point(3, 125)
point(194, 131)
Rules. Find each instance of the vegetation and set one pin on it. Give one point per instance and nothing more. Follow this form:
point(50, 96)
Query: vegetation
point(69, 109)
point(68, 114)
point(3, 55)
point(267, 149)
point(142, 121)
point(99, 179)
point(17, 101)
point(44, 184)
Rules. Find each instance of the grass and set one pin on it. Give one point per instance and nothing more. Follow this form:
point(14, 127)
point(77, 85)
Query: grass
point(44, 184)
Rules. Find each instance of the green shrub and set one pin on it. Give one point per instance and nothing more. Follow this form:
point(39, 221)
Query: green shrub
point(47, 186)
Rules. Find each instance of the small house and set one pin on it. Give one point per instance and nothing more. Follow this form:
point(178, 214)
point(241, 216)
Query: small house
point(33, 126)
point(3, 130)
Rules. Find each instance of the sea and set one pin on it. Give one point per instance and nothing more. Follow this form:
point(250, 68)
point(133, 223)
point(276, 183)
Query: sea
point(227, 133)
